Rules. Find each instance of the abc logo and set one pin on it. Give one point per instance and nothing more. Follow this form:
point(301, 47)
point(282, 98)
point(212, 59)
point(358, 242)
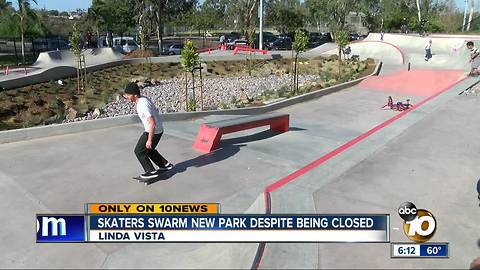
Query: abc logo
point(419, 224)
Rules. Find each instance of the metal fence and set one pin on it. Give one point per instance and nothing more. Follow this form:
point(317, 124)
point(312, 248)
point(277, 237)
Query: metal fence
point(33, 46)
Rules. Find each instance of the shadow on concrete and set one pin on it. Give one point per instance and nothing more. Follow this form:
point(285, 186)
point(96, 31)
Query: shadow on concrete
point(200, 161)
point(255, 137)
point(227, 149)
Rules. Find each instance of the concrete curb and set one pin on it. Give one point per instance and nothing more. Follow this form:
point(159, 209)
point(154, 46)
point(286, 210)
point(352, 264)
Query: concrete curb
point(82, 126)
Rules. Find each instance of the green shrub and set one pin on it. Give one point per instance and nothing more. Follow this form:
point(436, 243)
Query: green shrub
point(192, 105)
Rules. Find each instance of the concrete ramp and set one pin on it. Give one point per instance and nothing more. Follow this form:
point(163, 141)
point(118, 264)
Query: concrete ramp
point(449, 52)
point(408, 42)
point(93, 57)
point(387, 52)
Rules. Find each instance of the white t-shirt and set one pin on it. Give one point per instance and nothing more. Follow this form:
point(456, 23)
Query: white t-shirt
point(428, 45)
point(473, 52)
point(145, 109)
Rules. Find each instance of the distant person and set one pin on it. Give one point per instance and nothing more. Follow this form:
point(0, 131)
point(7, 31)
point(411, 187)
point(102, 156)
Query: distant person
point(474, 58)
point(421, 29)
point(404, 25)
point(428, 49)
point(109, 38)
point(222, 42)
point(145, 149)
point(346, 52)
point(88, 39)
point(478, 191)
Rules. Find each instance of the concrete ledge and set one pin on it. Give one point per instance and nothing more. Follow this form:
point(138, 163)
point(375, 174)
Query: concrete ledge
point(23, 134)
point(82, 126)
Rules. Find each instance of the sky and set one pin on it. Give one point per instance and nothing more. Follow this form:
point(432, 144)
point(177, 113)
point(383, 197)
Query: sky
point(70, 5)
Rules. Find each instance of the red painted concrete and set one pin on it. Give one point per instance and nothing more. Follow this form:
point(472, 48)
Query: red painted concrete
point(414, 82)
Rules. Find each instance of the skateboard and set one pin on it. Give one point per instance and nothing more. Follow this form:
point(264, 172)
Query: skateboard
point(150, 180)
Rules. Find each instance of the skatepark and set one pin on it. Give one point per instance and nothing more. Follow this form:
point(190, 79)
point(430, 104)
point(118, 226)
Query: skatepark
point(342, 153)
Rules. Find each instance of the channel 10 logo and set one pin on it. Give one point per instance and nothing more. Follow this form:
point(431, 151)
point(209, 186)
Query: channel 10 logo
point(419, 224)
point(60, 228)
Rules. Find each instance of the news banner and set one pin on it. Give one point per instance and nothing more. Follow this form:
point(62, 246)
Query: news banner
point(203, 222)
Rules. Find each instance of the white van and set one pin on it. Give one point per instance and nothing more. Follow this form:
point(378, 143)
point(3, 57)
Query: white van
point(126, 44)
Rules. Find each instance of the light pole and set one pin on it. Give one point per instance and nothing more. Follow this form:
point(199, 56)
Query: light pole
point(419, 13)
point(260, 36)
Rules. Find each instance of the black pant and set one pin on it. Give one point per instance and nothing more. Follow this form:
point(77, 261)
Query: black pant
point(146, 156)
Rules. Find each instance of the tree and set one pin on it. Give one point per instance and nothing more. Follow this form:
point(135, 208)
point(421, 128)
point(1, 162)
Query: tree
point(143, 8)
point(219, 8)
point(335, 13)
point(8, 25)
point(341, 38)
point(77, 51)
point(94, 20)
point(314, 13)
point(372, 10)
point(168, 10)
point(117, 15)
point(299, 46)
point(202, 19)
point(24, 12)
point(285, 16)
point(189, 60)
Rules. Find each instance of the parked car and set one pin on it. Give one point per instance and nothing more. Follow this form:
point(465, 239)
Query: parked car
point(237, 42)
point(232, 36)
point(281, 43)
point(174, 49)
point(314, 39)
point(353, 36)
point(318, 39)
point(268, 38)
point(125, 44)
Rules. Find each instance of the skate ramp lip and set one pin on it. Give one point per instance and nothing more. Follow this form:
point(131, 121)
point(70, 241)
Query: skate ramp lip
point(449, 52)
point(384, 51)
point(93, 57)
point(440, 44)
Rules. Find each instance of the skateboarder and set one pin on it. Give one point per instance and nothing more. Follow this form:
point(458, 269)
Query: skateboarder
point(428, 50)
point(404, 26)
point(109, 38)
point(145, 149)
point(474, 58)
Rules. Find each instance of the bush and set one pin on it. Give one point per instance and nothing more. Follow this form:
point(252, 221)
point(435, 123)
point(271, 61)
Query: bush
point(192, 105)
point(58, 107)
point(284, 92)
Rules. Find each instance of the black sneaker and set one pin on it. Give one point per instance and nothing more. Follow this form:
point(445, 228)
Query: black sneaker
point(166, 167)
point(149, 175)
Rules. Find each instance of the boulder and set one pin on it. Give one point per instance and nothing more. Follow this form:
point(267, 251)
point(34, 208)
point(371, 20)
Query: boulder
point(71, 114)
point(96, 113)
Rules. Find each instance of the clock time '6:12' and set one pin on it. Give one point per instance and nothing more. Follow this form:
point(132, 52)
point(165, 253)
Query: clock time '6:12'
point(406, 250)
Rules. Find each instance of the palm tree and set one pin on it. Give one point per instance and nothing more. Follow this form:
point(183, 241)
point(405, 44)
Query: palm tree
point(23, 13)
